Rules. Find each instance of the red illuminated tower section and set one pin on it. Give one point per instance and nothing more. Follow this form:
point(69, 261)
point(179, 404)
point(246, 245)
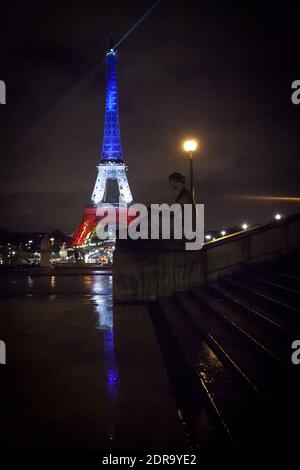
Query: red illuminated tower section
point(111, 184)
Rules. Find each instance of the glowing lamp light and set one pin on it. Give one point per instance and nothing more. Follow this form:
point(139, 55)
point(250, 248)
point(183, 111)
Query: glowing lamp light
point(190, 145)
point(244, 226)
point(278, 216)
point(223, 233)
point(208, 237)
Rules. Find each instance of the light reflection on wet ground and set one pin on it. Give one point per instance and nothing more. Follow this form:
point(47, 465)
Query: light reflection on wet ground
point(56, 284)
point(63, 369)
point(81, 374)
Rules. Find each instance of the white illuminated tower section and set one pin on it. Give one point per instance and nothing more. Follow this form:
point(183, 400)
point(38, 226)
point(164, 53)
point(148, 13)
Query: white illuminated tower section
point(111, 185)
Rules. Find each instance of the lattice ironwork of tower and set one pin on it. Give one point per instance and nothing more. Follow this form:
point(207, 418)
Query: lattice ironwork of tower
point(111, 184)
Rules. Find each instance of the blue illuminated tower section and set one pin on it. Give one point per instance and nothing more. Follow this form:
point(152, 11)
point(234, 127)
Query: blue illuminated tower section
point(111, 168)
point(112, 150)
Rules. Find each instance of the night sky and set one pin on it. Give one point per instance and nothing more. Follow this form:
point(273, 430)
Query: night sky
point(219, 71)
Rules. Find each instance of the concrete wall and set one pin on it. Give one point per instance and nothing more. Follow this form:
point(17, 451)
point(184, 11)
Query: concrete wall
point(146, 269)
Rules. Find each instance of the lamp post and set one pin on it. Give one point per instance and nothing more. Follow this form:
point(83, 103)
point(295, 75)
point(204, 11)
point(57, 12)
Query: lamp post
point(190, 146)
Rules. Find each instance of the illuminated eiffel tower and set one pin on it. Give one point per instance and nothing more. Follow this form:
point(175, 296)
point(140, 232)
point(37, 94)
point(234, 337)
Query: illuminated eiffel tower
point(111, 184)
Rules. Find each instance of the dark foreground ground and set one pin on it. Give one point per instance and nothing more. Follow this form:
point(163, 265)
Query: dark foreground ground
point(78, 375)
point(211, 367)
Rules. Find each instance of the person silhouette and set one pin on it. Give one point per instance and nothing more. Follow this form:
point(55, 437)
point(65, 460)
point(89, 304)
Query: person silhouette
point(177, 183)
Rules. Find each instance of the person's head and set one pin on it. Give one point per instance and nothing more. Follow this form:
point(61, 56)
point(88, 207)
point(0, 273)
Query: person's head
point(176, 181)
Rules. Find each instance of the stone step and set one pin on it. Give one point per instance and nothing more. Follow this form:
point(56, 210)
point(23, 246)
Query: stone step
point(232, 403)
point(274, 289)
point(270, 334)
point(253, 363)
point(261, 298)
point(190, 361)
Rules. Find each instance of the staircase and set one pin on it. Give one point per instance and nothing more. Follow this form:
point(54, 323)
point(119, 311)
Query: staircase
point(234, 337)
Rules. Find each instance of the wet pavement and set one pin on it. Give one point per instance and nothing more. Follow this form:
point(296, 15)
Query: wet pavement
point(81, 373)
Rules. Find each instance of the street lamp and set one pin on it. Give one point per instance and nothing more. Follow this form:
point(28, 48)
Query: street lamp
point(190, 146)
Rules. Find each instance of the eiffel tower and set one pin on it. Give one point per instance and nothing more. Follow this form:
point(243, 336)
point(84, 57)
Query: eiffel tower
point(111, 184)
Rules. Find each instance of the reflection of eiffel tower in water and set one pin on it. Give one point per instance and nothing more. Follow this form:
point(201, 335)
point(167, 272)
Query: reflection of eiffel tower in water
point(111, 184)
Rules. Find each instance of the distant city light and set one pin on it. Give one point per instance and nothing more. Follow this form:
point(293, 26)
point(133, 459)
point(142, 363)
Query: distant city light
point(244, 226)
point(223, 233)
point(208, 237)
point(278, 216)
